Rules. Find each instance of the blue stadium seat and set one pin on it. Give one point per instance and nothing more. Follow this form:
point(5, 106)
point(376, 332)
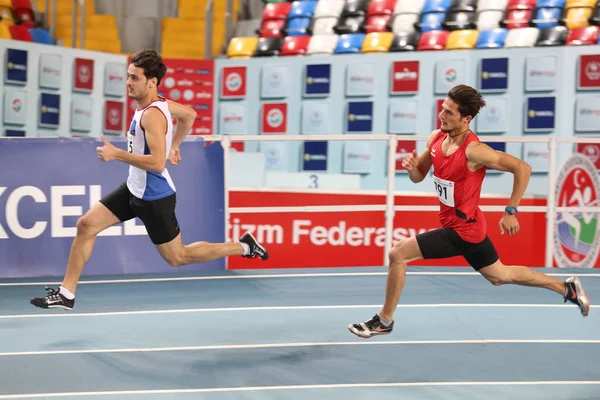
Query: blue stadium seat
point(491, 39)
point(40, 36)
point(431, 21)
point(546, 17)
point(550, 4)
point(436, 6)
point(350, 43)
point(300, 18)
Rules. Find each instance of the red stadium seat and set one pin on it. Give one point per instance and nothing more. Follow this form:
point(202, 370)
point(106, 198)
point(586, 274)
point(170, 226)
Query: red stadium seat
point(294, 45)
point(433, 40)
point(20, 32)
point(583, 36)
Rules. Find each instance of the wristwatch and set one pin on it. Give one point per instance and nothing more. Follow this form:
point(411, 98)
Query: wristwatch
point(511, 210)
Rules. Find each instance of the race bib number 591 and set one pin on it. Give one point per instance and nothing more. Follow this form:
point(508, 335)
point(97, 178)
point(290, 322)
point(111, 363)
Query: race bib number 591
point(444, 190)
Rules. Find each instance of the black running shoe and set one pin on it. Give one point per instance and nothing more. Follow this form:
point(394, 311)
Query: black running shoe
point(370, 328)
point(256, 250)
point(53, 300)
point(575, 294)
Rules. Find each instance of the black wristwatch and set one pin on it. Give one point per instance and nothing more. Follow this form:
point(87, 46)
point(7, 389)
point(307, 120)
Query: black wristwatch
point(511, 210)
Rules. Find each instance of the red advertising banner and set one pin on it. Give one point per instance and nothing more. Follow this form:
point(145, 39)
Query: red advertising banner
point(405, 77)
point(403, 149)
point(592, 151)
point(339, 239)
point(233, 82)
point(589, 72)
point(191, 83)
point(113, 117)
point(274, 118)
point(83, 76)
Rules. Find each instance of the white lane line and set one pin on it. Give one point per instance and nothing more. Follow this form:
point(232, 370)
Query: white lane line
point(296, 387)
point(303, 344)
point(272, 276)
point(66, 314)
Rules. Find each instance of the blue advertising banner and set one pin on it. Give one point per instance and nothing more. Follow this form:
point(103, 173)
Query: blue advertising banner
point(49, 110)
point(359, 117)
point(540, 114)
point(317, 80)
point(493, 75)
point(315, 156)
point(16, 66)
point(40, 203)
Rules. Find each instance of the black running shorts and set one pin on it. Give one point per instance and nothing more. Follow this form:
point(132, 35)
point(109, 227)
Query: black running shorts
point(446, 243)
point(158, 216)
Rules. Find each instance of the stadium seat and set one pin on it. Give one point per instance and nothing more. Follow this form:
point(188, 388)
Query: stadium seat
point(462, 40)
point(580, 3)
point(463, 5)
point(554, 36)
point(521, 4)
point(436, 6)
point(377, 42)
point(243, 47)
point(25, 16)
point(274, 17)
point(377, 23)
point(20, 32)
point(516, 18)
point(489, 19)
point(577, 17)
point(329, 9)
point(586, 35)
point(521, 37)
point(546, 17)
point(322, 44)
point(355, 8)
point(595, 18)
point(459, 20)
point(5, 32)
point(40, 36)
point(7, 14)
point(406, 41)
point(294, 45)
point(433, 40)
point(323, 26)
point(431, 21)
point(300, 18)
point(409, 7)
point(273, 28)
point(550, 4)
point(404, 23)
point(491, 39)
point(350, 43)
point(349, 24)
point(268, 47)
point(492, 5)
point(381, 7)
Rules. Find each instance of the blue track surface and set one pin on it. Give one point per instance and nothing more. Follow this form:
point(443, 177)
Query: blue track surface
point(248, 335)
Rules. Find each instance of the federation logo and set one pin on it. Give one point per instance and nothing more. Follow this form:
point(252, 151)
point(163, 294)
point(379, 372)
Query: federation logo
point(274, 118)
point(576, 236)
point(450, 75)
point(233, 82)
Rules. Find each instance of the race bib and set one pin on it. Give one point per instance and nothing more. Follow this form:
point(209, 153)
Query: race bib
point(129, 142)
point(444, 190)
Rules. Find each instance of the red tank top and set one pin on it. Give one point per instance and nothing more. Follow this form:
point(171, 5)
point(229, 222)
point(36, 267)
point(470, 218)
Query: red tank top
point(458, 190)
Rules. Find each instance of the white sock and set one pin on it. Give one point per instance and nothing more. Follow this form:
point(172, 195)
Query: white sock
point(66, 293)
point(384, 321)
point(246, 249)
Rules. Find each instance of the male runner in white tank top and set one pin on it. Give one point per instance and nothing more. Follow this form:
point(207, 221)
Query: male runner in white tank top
point(149, 192)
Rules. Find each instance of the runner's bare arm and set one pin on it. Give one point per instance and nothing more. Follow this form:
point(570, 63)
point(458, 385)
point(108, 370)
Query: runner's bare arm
point(185, 117)
point(482, 154)
point(424, 162)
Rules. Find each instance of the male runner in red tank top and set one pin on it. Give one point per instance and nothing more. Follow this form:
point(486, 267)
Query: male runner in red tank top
point(459, 163)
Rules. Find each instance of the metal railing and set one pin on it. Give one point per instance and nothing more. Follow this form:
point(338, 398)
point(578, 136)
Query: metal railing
point(81, 4)
point(550, 209)
point(208, 29)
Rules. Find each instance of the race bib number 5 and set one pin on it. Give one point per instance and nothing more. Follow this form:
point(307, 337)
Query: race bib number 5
point(129, 142)
point(444, 190)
